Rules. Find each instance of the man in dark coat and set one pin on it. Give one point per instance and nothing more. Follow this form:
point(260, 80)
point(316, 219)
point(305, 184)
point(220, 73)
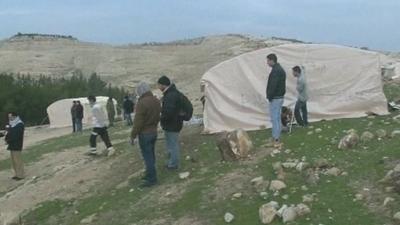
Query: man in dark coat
point(79, 116)
point(171, 121)
point(73, 116)
point(15, 139)
point(110, 111)
point(128, 110)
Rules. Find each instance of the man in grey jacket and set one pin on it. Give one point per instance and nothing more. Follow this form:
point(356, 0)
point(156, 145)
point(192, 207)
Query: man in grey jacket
point(300, 109)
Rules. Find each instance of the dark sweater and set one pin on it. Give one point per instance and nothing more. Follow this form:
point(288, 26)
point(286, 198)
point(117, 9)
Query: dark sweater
point(15, 137)
point(276, 87)
point(171, 102)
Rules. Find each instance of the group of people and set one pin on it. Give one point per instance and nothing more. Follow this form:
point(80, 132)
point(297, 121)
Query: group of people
point(77, 116)
point(276, 89)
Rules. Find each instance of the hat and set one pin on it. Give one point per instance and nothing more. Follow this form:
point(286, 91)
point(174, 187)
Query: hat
point(164, 80)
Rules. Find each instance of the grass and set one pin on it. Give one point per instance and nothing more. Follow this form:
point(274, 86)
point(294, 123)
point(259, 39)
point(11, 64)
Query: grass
point(364, 165)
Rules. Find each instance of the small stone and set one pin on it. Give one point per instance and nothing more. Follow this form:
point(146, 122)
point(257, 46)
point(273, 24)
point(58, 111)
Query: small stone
point(321, 163)
point(184, 175)
point(89, 219)
point(308, 198)
point(302, 166)
point(237, 195)
point(349, 141)
point(381, 133)
point(304, 188)
point(277, 185)
point(345, 174)
point(289, 214)
point(267, 213)
point(318, 130)
point(359, 197)
point(280, 211)
point(187, 158)
point(264, 195)
point(289, 165)
point(333, 171)
point(397, 216)
point(76, 212)
point(131, 190)
point(302, 209)
point(229, 217)
point(310, 133)
point(257, 181)
point(389, 189)
point(387, 201)
point(366, 136)
point(285, 197)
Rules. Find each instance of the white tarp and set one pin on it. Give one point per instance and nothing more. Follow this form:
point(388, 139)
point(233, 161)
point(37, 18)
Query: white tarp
point(343, 82)
point(59, 112)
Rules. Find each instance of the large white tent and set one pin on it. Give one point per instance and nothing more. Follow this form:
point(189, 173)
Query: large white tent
point(59, 112)
point(343, 82)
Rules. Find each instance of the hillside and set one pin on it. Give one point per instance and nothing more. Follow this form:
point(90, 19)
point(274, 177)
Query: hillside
point(185, 61)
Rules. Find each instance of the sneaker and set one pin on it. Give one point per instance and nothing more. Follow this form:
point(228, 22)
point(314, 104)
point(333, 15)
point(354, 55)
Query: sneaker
point(110, 151)
point(17, 178)
point(92, 151)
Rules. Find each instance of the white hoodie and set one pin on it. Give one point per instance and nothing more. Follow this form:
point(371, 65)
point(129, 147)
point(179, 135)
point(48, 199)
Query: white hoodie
point(99, 117)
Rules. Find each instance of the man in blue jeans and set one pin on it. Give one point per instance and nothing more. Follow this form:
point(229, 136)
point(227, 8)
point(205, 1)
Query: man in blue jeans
point(145, 124)
point(300, 109)
point(276, 89)
point(171, 121)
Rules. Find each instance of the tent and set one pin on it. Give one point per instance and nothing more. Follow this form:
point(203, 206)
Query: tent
point(343, 82)
point(59, 112)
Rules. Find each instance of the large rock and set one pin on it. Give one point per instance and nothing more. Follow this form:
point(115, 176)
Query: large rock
point(349, 141)
point(277, 185)
point(267, 213)
point(367, 136)
point(234, 145)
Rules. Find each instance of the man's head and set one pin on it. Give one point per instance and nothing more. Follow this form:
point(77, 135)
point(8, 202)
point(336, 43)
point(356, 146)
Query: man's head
point(142, 88)
point(78, 102)
point(73, 102)
point(163, 83)
point(296, 71)
point(91, 99)
point(272, 59)
point(12, 116)
point(110, 98)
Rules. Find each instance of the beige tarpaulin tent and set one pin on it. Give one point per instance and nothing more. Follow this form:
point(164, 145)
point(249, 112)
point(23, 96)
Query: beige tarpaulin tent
point(59, 112)
point(343, 82)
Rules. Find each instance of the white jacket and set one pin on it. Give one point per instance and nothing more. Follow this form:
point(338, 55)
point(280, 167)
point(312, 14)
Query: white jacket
point(99, 117)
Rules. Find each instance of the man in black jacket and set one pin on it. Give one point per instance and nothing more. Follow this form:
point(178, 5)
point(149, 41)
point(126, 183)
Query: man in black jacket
point(14, 139)
point(128, 110)
point(171, 122)
point(79, 116)
point(276, 89)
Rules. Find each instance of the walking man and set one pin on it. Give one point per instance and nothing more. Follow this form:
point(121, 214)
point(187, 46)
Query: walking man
point(79, 116)
point(110, 111)
point(128, 110)
point(73, 116)
point(15, 139)
point(171, 121)
point(276, 89)
point(100, 127)
point(145, 125)
point(300, 109)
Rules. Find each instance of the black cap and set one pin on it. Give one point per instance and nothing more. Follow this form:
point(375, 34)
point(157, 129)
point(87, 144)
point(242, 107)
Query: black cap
point(164, 80)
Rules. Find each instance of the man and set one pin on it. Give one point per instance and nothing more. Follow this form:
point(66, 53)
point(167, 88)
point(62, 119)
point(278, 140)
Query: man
point(128, 110)
point(73, 116)
point(100, 127)
point(14, 139)
point(79, 116)
point(300, 109)
point(110, 111)
point(171, 122)
point(276, 89)
point(145, 124)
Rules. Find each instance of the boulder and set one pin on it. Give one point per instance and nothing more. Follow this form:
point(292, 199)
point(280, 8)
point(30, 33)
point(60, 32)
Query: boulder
point(267, 213)
point(349, 141)
point(366, 136)
point(277, 185)
point(234, 145)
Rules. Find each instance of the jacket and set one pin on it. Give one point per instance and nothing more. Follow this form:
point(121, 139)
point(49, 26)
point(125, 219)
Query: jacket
point(15, 137)
point(79, 111)
point(147, 115)
point(128, 106)
point(276, 87)
point(302, 88)
point(99, 118)
point(170, 119)
point(110, 108)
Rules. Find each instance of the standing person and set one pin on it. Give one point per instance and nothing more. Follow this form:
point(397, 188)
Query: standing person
point(15, 139)
point(145, 124)
point(79, 116)
point(300, 109)
point(171, 122)
point(110, 111)
point(128, 110)
point(73, 116)
point(276, 89)
point(100, 127)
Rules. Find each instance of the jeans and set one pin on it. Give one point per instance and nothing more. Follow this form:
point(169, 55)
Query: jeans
point(172, 140)
point(78, 124)
point(275, 110)
point(128, 119)
point(102, 131)
point(300, 113)
point(73, 125)
point(147, 143)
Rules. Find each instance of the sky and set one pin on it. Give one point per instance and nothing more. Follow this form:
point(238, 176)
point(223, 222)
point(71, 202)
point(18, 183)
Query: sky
point(361, 23)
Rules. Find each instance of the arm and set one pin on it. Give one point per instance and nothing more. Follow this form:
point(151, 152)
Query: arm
point(272, 84)
point(138, 122)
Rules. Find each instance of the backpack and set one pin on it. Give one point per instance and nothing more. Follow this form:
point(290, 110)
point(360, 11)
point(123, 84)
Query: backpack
point(186, 108)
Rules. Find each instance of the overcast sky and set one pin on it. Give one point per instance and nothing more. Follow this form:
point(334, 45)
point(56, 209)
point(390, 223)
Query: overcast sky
point(371, 23)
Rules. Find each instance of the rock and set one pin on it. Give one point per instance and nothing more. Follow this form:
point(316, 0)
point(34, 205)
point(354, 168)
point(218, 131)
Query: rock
point(289, 214)
point(387, 201)
point(237, 195)
point(381, 133)
point(312, 177)
point(273, 204)
point(308, 198)
point(277, 166)
point(259, 184)
point(280, 211)
point(389, 189)
point(277, 185)
point(264, 195)
point(184, 175)
point(89, 219)
point(289, 165)
point(310, 133)
point(318, 130)
point(333, 171)
point(397, 168)
point(302, 209)
point(359, 197)
point(304, 188)
point(229, 217)
point(267, 213)
point(395, 133)
point(321, 163)
point(397, 216)
point(349, 141)
point(366, 136)
point(302, 166)
point(257, 181)
point(285, 197)
point(234, 145)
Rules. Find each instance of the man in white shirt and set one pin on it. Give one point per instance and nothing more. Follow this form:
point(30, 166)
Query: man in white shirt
point(100, 123)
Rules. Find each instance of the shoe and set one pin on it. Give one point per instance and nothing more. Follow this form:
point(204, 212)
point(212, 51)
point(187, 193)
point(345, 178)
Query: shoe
point(110, 151)
point(171, 168)
point(147, 184)
point(278, 145)
point(17, 178)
